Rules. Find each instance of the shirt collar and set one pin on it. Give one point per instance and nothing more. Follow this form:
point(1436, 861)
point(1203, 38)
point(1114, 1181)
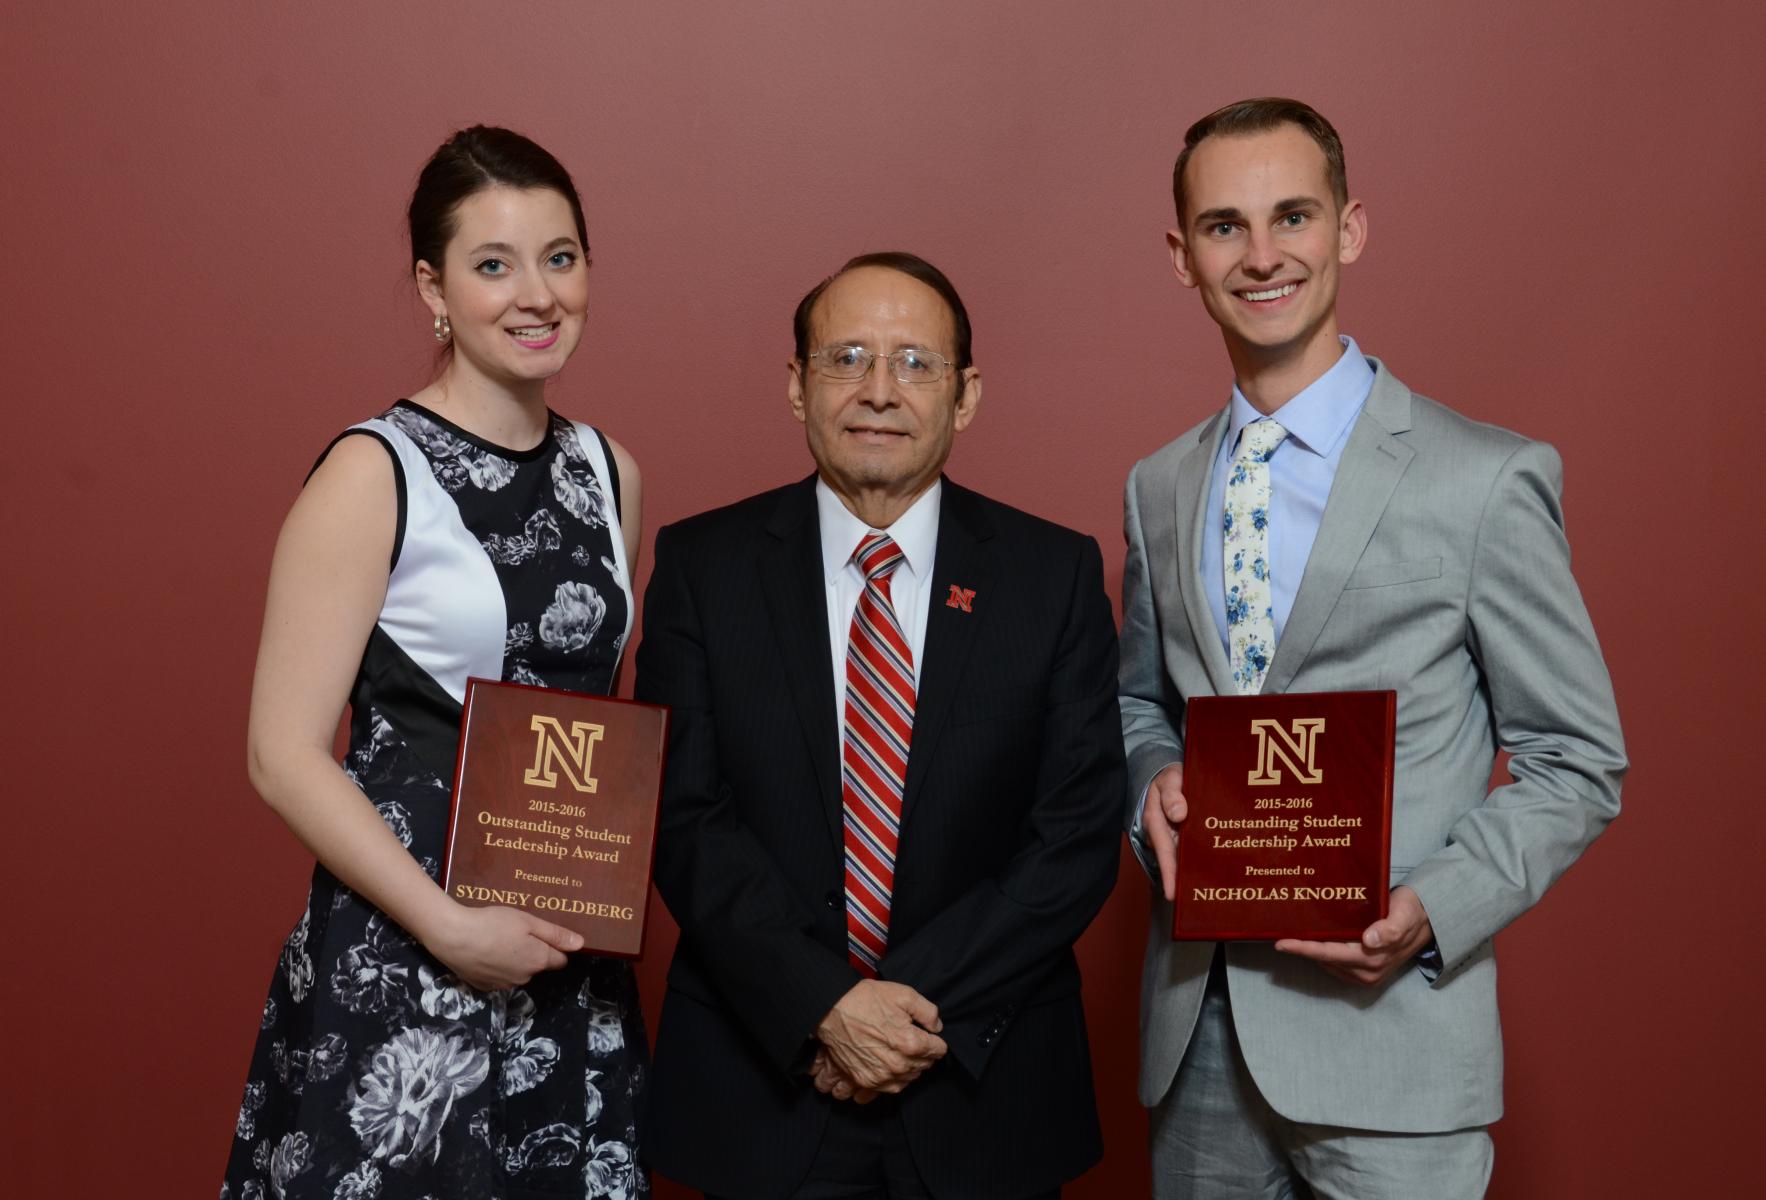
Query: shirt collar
point(915, 531)
point(1318, 417)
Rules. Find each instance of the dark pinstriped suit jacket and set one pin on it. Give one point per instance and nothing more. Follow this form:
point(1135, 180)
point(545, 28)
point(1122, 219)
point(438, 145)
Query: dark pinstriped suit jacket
point(1008, 845)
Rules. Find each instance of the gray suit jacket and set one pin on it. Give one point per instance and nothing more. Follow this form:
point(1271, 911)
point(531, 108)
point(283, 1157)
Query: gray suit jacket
point(1440, 571)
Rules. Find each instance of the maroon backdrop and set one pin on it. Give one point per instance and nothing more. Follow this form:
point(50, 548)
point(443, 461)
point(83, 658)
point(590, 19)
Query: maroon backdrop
point(201, 212)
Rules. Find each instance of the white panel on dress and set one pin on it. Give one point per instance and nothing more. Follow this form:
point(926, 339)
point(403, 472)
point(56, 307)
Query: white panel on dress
point(444, 604)
point(590, 445)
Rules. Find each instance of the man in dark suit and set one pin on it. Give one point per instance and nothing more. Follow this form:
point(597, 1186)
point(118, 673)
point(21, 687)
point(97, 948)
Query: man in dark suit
point(894, 763)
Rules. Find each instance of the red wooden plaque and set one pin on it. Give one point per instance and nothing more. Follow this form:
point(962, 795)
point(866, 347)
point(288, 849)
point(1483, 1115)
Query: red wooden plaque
point(554, 809)
point(1289, 832)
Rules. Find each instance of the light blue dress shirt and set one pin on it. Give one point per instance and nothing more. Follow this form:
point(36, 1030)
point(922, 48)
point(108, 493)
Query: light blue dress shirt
point(1318, 421)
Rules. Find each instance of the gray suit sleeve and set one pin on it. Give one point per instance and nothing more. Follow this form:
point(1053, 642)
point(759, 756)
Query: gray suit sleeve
point(1143, 689)
point(1554, 713)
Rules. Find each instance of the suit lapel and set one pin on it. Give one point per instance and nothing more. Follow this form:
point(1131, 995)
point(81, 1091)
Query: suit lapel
point(1372, 463)
point(1194, 474)
point(797, 605)
point(964, 560)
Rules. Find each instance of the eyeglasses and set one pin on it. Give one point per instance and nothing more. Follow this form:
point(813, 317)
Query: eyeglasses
point(854, 362)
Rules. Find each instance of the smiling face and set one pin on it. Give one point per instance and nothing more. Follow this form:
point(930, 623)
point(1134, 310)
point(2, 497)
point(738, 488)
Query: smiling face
point(879, 443)
point(1263, 240)
point(514, 284)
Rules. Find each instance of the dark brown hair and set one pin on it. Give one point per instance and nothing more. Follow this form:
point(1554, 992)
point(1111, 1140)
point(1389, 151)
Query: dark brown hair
point(470, 161)
point(911, 265)
point(1258, 116)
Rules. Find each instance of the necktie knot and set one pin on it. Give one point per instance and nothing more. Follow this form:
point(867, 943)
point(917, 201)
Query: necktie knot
point(877, 556)
point(1259, 440)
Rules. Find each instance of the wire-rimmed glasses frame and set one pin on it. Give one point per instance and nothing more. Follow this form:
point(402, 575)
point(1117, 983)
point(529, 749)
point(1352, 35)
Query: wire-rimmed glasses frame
point(909, 365)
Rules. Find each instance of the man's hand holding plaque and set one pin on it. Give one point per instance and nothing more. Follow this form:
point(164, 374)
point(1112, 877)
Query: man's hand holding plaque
point(1162, 817)
point(1285, 805)
point(1388, 944)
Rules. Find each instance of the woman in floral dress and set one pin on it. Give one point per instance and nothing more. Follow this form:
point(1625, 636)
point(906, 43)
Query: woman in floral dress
point(411, 1046)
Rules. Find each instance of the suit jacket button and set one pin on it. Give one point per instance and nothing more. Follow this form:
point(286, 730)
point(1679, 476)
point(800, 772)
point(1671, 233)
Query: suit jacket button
point(833, 899)
point(986, 1039)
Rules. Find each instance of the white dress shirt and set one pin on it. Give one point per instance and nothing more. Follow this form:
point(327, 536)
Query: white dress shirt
point(910, 587)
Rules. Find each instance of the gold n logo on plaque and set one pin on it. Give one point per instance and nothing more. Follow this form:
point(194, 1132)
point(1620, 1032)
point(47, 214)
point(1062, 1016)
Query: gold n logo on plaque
point(1292, 747)
point(558, 753)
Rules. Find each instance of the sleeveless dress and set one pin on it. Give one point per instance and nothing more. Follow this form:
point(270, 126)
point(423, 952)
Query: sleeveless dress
point(377, 1073)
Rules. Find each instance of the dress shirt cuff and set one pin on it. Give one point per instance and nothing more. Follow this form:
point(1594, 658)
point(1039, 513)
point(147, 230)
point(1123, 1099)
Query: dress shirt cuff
point(1430, 962)
point(1137, 826)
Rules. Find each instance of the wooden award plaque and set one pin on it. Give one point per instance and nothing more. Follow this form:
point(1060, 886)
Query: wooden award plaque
point(1289, 833)
point(554, 809)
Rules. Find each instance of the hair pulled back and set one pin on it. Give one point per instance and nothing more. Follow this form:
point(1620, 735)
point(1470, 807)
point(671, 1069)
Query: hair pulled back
point(470, 161)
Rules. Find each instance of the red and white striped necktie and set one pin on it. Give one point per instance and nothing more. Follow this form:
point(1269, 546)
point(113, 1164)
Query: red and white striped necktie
point(878, 728)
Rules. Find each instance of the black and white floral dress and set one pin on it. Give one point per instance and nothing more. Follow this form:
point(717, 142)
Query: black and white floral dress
point(377, 1074)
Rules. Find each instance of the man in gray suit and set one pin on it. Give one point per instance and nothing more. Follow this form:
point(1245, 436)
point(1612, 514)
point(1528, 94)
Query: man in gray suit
point(1330, 530)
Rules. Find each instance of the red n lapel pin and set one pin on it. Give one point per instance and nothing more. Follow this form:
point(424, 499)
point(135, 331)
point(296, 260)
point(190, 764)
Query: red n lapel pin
point(961, 597)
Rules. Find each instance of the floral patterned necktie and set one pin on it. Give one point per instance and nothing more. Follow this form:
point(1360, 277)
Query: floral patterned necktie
point(1250, 617)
